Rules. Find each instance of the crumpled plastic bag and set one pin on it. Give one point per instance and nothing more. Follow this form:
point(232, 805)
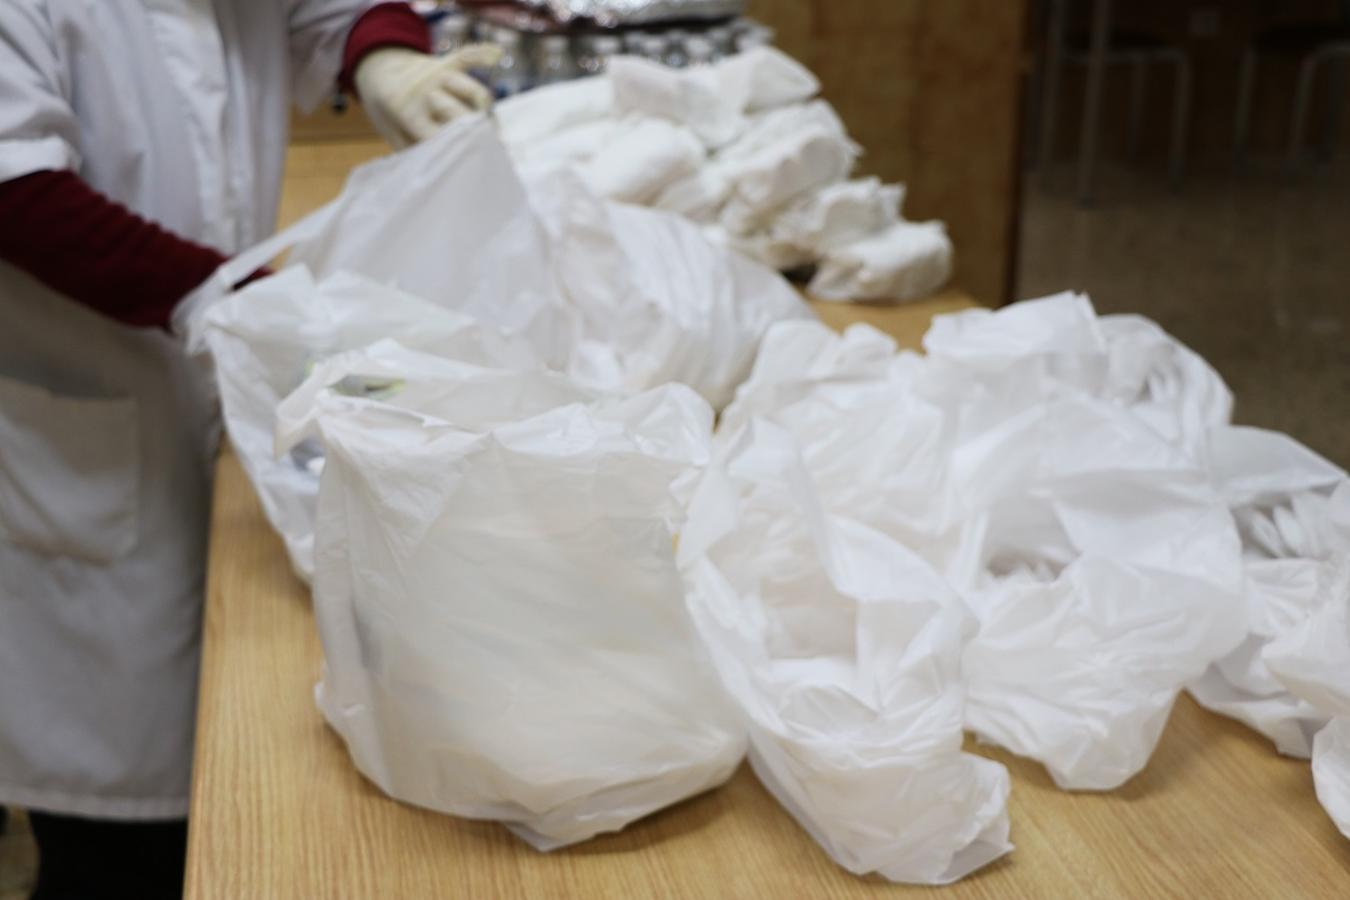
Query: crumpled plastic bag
point(264, 341)
point(843, 650)
point(1313, 661)
point(1113, 574)
point(1281, 496)
point(502, 618)
point(1164, 383)
point(906, 261)
point(1102, 565)
point(447, 220)
point(1331, 771)
point(658, 302)
point(624, 298)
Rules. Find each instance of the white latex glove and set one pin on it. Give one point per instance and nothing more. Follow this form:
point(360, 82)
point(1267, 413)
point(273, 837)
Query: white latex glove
point(409, 96)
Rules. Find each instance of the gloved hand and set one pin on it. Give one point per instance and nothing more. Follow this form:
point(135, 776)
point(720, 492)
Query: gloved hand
point(409, 96)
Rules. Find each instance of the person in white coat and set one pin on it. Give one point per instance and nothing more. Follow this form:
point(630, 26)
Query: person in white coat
point(141, 144)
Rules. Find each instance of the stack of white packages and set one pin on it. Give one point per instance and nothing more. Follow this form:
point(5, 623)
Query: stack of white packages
point(743, 149)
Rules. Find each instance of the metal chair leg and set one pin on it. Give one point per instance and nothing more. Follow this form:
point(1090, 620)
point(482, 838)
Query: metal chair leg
point(1087, 148)
point(1054, 65)
point(1246, 88)
point(1138, 91)
point(1302, 99)
point(1181, 121)
point(1338, 93)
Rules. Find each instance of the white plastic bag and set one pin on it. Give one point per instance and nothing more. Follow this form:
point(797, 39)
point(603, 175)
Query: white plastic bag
point(1102, 565)
point(906, 261)
point(1164, 383)
point(657, 301)
point(1313, 661)
point(264, 341)
point(1331, 771)
point(1281, 495)
point(448, 221)
point(1112, 570)
point(503, 622)
point(626, 298)
point(843, 649)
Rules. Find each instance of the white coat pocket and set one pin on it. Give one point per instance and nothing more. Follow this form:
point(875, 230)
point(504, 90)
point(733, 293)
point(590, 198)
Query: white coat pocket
point(69, 473)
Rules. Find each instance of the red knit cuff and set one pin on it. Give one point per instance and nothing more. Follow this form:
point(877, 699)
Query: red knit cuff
point(385, 25)
point(81, 244)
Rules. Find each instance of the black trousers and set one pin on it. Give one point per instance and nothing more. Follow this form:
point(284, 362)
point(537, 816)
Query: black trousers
point(92, 859)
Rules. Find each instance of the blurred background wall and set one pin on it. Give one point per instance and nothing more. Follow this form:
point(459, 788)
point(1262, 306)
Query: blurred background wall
point(932, 90)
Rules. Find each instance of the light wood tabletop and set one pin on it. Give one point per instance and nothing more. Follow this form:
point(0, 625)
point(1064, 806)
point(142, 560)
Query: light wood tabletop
point(278, 810)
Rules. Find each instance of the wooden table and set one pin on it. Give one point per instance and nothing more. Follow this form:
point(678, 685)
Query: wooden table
point(280, 812)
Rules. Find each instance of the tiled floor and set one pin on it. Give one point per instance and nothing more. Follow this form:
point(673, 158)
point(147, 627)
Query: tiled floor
point(1252, 271)
point(17, 860)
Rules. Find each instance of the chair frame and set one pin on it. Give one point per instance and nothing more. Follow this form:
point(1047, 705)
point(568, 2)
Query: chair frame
point(1298, 122)
point(1098, 57)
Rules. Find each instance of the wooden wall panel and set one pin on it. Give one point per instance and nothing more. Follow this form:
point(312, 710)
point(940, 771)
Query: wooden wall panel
point(932, 90)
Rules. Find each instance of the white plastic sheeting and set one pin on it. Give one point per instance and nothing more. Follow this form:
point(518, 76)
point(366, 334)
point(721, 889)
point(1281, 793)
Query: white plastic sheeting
point(529, 536)
point(1331, 771)
point(266, 339)
point(843, 648)
point(503, 622)
point(1312, 660)
point(656, 301)
point(1103, 568)
point(623, 298)
point(1281, 495)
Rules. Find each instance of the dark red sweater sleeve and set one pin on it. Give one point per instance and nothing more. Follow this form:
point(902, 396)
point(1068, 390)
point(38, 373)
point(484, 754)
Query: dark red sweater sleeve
point(75, 240)
point(385, 25)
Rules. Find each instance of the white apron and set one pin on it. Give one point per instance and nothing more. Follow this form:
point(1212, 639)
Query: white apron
point(179, 110)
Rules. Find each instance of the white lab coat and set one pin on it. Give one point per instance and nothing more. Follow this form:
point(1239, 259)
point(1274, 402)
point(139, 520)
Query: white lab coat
point(179, 110)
